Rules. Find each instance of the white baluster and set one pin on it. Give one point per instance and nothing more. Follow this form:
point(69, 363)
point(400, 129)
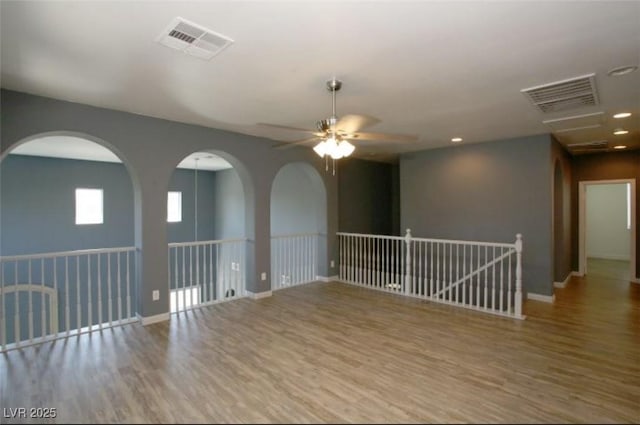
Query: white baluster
point(408, 273)
point(54, 311)
point(493, 282)
point(110, 303)
point(78, 302)
point(478, 279)
point(486, 276)
point(119, 291)
point(129, 314)
point(16, 322)
point(100, 319)
point(212, 295)
point(457, 296)
point(464, 273)
point(43, 311)
point(90, 296)
point(198, 285)
point(509, 283)
point(190, 290)
point(518, 294)
point(67, 311)
point(501, 301)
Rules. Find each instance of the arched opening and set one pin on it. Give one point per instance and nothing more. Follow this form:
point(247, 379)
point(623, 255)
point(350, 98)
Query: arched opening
point(298, 225)
point(67, 255)
point(208, 231)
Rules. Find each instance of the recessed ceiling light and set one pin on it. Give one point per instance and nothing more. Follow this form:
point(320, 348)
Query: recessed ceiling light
point(623, 70)
point(622, 115)
point(456, 139)
point(620, 147)
point(620, 131)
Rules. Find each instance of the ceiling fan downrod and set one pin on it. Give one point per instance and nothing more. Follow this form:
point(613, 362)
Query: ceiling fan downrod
point(333, 86)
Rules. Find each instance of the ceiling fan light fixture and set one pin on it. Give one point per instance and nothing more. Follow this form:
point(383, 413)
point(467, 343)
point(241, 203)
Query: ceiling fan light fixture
point(346, 148)
point(321, 149)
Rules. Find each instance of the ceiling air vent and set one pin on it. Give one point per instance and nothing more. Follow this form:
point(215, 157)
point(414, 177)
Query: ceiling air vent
point(575, 123)
point(589, 146)
point(563, 95)
point(193, 39)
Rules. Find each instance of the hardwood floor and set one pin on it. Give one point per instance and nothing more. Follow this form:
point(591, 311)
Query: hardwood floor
point(329, 352)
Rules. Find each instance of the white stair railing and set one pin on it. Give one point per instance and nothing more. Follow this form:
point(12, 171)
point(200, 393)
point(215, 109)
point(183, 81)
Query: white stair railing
point(294, 259)
point(483, 276)
point(58, 294)
point(206, 272)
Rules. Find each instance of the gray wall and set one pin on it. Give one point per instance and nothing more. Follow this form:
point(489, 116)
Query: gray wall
point(37, 203)
point(603, 166)
point(229, 213)
point(484, 192)
point(133, 137)
point(297, 204)
point(367, 197)
point(184, 181)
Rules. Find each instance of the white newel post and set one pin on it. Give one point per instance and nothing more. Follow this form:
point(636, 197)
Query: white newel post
point(407, 277)
point(518, 294)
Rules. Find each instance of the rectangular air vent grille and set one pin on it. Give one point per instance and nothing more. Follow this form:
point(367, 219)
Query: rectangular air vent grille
point(563, 95)
point(589, 146)
point(576, 122)
point(193, 39)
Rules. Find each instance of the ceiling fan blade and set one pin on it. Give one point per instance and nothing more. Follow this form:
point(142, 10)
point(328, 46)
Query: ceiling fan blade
point(287, 145)
point(383, 136)
point(353, 123)
point(286, 127)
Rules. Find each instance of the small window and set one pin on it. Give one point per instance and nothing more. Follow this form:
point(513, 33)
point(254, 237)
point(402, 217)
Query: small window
point(89, 206)
point(174, 207)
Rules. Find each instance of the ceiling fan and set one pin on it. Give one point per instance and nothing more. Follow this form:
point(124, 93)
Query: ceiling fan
point(335, 133)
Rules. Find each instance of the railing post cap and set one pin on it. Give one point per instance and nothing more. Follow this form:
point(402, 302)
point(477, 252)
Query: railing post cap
point(408, 231)
point(519, 236)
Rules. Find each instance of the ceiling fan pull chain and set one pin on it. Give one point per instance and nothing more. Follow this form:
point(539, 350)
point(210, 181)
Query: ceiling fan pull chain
point(326, 163)
point(334, 167)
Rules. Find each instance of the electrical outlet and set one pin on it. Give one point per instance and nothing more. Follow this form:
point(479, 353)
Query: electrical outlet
point(263, 276)
point(333, 263)
point(156, 295)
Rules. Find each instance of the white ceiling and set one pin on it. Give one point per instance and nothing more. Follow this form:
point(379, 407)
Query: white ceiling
point(433, 69)
point(77, 148)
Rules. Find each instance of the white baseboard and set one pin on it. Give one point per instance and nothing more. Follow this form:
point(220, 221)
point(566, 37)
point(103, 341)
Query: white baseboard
point(327, 278)
point(636, 280)
point(259, 295)
point(563, 283)
point(539, 297)
point(577, 274)
point(149, 320)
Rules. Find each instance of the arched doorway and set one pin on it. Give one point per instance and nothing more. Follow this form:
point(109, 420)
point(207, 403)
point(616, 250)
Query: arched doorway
point(207, 231)
point(298, 225)
point(67, 255)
